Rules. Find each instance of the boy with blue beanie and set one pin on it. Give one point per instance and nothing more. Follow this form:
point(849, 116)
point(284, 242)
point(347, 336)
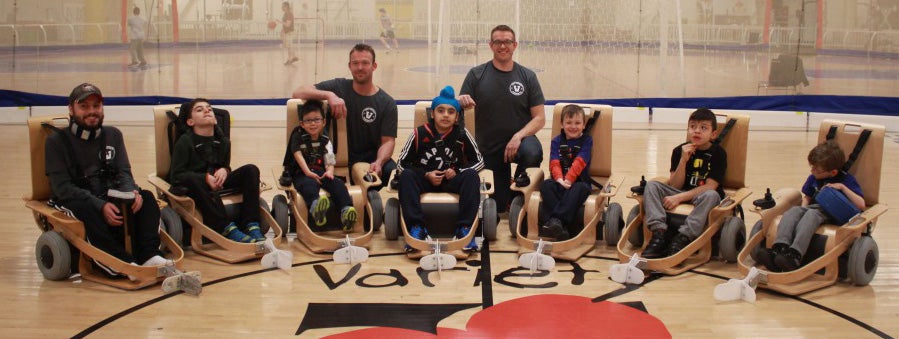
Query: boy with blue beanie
point(440, 156)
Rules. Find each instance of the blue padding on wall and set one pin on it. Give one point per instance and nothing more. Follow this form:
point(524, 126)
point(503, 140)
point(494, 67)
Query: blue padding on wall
point(887, 106)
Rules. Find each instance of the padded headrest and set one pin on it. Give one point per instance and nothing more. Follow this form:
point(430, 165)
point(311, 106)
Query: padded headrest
point(867, 167)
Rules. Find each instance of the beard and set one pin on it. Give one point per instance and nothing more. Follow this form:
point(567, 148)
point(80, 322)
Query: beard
point(80, 121)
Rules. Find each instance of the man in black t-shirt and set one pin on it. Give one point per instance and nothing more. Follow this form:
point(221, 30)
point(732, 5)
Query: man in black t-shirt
point(370, 112)
point(509, 112)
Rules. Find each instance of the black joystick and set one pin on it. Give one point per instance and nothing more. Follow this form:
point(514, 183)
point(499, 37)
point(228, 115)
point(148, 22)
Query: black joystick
point(395, 183)
point(766, 202)
point(639, 189)
point(368, 177)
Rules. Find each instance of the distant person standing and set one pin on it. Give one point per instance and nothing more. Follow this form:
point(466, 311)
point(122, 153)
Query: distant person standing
point(287, 29)
point(387, 31)
point(137, 33)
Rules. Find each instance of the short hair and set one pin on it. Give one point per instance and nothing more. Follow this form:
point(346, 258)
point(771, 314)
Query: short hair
point(571, 111)
point(311, 106)
point(193, 102)
point(827, 156)
point(364, 48)
point(502, 28)
point(382, 10)
point(704, 114)
point(136, 10)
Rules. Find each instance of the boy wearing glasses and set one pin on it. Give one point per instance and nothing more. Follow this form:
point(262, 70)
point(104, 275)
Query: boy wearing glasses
point(314, 168)
point(201, 162)
point(509, 112)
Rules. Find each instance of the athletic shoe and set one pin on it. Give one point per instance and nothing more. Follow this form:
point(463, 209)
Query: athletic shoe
point(788, 259)
point(657, 245)
point(319, 210)
point(348, 218)
point(255, 232)
point(555, 229)
point(235, 234)
point(765, 256)
point(462, 232)
point(678, 243)
point(416, 232)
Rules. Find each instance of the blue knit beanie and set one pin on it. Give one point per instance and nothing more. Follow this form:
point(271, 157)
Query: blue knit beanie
point(447, 96)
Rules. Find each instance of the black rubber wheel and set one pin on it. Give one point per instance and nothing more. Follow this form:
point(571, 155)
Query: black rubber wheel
point(756, 228)
point(392, 219)
point(636, 237)
point(488, 218)
point(281, 213)
point(613, 223)
point(263, 225)
point(514, 211)
point(732, 240)
point(171, 223)
point(863, 259)
point(377, 209)
point(54, 258)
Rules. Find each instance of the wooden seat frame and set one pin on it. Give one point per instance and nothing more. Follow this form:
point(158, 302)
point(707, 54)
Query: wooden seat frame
point(220, 248)
point(699, 251)
point(49, 219)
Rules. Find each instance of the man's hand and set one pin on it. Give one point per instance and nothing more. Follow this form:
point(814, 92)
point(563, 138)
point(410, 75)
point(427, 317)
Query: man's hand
point(375, 167)
point(466, 101)
point(338, 106)
point(512, 149)
point(112, 214)
point(434, 177)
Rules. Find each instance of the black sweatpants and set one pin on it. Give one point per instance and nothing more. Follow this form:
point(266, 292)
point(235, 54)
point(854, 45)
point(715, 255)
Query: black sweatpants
point(144, 229)
point(245, 180)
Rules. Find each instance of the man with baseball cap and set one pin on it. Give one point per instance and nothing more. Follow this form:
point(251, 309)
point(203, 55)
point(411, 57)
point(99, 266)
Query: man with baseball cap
point(90, 178)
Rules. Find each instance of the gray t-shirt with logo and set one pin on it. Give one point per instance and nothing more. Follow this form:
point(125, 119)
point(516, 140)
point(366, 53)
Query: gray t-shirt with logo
point(504, 101)
point(368, 118)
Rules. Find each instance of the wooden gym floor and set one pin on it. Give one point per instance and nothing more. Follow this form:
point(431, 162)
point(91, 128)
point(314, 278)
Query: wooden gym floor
point(318, 298)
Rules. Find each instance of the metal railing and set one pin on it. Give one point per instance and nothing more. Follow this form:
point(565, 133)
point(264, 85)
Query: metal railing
point(460, 31)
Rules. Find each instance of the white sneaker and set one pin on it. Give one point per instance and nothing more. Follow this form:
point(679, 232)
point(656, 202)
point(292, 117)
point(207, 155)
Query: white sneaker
point(155, 261)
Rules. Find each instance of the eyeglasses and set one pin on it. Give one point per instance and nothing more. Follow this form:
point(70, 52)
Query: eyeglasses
point(506, 43)
point(313, 121)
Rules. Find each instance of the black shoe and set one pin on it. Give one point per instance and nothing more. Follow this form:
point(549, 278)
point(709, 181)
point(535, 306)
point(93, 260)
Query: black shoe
point(554, 229)
point(656, 248)
point(788, 260)
point(765, 256)
point(678, 243)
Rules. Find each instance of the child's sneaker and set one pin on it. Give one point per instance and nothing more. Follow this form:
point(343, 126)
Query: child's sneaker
point(348, 218)
point(462, 232)
point(255, 232)
point(657, 245)
point(416, 232)
point(235, 234)
point(319, 210)
point(554, 229)
point(787, 259)
point(765, 256)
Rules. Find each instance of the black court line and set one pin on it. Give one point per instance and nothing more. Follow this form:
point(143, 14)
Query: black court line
point(486, 287)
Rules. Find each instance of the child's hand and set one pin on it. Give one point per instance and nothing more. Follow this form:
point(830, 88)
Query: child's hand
point(434, 177)
point(315, 177)
point(449, 174)
point(329, 174)
point(671, 201)
point(687, 151)
point(564, 183)
point(112, 214)
point(837, 186)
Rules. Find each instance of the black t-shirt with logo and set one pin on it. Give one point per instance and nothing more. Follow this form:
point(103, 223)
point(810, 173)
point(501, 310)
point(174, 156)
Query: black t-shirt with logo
point(368, 118)
point(703, 164)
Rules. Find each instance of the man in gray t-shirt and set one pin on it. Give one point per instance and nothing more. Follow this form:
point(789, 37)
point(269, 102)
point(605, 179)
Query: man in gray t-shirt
point(509, 112)
point(370, 112)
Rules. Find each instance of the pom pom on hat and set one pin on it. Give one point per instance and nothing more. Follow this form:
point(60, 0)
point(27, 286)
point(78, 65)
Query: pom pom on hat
point(447, 96)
